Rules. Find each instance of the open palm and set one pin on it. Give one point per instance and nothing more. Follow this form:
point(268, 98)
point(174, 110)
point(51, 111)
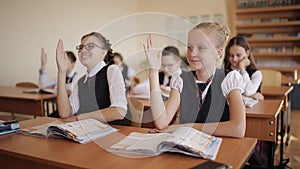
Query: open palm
point(153, 56)
point(61, 57)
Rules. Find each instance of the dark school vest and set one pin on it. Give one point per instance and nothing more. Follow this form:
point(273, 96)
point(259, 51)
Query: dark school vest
point(70, 79)
point(161, 78)
point(214, 108)
point(94, 94)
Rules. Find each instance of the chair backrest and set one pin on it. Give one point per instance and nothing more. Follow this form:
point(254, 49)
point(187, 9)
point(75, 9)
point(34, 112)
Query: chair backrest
point(136, 109)
point(271, 77)
point(27, 85)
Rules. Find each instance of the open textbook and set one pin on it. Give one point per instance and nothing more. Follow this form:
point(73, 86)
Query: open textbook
point(81, 131)
point(184, 140)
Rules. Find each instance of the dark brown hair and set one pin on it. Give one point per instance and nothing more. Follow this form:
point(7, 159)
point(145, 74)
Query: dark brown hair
point(105, 44)
point(242, 42)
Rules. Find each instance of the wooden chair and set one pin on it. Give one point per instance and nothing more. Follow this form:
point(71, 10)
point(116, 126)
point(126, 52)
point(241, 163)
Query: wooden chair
point(136, 108)
point(271, 77)
point(27, 85)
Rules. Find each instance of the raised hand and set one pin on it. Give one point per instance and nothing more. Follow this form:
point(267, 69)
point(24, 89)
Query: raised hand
point(61, 57)
point(153, 56)
point(43, 59)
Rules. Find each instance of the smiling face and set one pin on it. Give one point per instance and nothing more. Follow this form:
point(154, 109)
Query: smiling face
point(236, 54)
point(92, 52)
point(202, 54)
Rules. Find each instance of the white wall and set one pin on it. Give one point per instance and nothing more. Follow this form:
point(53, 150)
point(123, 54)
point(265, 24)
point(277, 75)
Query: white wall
point(28, 25)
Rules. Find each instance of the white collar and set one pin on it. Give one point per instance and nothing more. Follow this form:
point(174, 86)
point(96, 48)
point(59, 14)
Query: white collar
point(95, 70)
point(71, 74)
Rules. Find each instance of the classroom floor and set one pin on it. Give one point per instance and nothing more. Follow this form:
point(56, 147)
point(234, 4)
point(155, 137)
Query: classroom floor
point(292, 151)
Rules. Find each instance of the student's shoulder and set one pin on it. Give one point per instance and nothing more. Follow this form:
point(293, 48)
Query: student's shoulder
point(113, 67)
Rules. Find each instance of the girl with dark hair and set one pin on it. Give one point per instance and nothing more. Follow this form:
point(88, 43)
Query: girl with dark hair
point(100, 94)
point(238, 57)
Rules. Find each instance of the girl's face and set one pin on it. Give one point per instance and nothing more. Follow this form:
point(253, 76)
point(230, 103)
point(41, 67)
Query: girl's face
point(236, 54)
point(202, 54)
point(91, 52)
point(169, 65)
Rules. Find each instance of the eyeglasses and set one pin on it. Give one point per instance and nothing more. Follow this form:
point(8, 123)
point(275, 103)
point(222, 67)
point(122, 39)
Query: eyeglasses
point(167, 65)
point(88, 46)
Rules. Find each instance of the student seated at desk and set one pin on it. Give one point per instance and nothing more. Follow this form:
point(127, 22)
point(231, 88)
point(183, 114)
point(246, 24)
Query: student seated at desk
point(126, 70)
point(206, 98)
point(72, 75)
point(100, 94)
point(238, 57)
point(170, 64)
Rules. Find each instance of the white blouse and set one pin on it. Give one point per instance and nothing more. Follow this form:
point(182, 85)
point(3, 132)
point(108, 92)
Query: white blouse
point(115, 83)
point(232, 81)
point(251, 83)
point(45, 83)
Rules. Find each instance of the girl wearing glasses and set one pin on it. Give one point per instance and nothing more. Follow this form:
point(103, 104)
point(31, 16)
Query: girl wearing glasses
point(205, 98)
point(100, 94)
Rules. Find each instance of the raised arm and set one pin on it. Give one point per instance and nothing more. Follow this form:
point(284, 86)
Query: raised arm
point(62, 61)
point(43, 79)
point(162, 114)
point(43, 59)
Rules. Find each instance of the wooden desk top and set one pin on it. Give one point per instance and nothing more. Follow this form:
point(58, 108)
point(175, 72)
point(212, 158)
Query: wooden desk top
point(18, 93)
point(67, 154)
point(265, 109)
point(276, 90)
point(288, 80)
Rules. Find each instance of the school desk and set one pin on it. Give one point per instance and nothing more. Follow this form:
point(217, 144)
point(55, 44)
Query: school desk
point(281, 92)
point(261, 123)
point(14, 100)
point(22, 151)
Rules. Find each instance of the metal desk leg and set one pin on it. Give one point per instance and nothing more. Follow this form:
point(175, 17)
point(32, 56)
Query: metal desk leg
point(288, 129)
point(281, 137)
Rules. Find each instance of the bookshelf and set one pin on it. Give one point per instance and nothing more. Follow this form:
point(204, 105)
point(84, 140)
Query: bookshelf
point(272, 29)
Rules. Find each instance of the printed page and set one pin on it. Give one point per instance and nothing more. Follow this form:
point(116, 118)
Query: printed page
point(82, 131)
point(212, 151)
point(192, 138)
point(140, 143)
point(190, 141)
point(83, 127)
point(40, 130)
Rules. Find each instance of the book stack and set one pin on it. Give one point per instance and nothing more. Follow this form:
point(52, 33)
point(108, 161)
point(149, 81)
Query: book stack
point(8, 126)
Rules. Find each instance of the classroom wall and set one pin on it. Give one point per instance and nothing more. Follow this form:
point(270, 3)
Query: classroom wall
point(28, 25)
